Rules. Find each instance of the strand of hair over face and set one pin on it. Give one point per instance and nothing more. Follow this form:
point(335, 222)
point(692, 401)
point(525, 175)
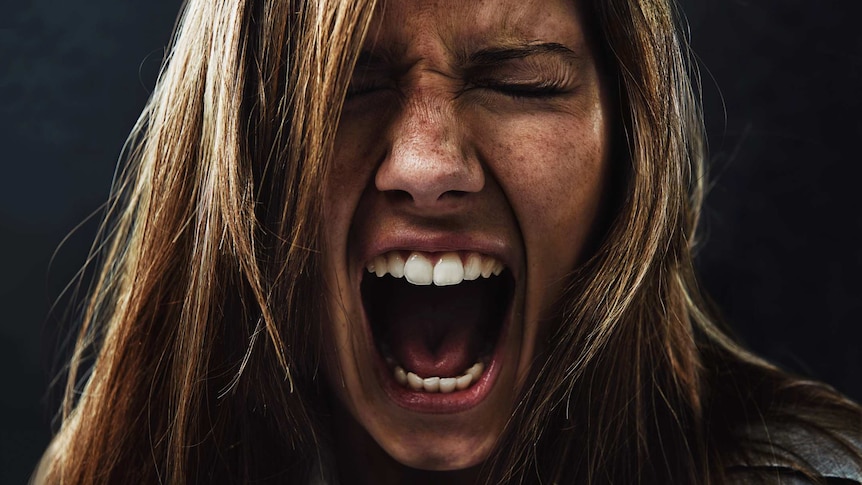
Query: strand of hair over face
point(212, 237)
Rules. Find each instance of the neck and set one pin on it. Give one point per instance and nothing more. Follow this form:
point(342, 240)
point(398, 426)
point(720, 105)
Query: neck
point(361, 460)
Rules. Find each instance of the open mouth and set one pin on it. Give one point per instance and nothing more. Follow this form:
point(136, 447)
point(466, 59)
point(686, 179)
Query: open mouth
point(436, 318)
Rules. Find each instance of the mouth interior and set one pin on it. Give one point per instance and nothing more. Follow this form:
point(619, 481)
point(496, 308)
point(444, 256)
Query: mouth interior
point(436, 330)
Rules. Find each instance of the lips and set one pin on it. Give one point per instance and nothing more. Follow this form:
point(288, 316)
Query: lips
point(436, 320)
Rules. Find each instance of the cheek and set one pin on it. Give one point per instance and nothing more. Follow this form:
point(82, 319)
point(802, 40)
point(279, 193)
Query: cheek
point(347, 176)
point(555, 179)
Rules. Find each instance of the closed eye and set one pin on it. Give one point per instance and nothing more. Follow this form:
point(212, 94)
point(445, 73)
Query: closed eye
point(540, 90)
point(359, 89)
point(368, 81)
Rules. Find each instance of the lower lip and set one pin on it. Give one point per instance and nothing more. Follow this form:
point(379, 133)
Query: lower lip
point(444, 403)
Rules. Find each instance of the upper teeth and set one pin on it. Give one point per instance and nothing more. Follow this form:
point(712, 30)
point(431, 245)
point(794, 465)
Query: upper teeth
point(441, 269)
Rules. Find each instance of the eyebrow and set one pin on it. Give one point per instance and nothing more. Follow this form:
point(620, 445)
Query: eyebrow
point(496, 55)
point(482, 58)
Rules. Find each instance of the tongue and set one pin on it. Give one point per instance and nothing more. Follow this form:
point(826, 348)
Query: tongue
point(436, 331)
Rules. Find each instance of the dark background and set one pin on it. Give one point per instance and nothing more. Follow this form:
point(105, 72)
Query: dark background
point(782, 86)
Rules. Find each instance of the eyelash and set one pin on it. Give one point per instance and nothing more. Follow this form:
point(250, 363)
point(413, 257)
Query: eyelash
point(530, 91)
point(542, 90)
point(356, 91)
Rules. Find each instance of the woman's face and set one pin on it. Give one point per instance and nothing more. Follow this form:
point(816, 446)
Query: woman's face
point(470, 165)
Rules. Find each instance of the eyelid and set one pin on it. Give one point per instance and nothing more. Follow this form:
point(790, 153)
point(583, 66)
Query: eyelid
point(544, 83)
point(517, 82)
point(521, 78)
point(366, 80)
point(543, 91)
point(527, 71)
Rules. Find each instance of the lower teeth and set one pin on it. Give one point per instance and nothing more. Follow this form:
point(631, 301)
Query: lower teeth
point(444, 385)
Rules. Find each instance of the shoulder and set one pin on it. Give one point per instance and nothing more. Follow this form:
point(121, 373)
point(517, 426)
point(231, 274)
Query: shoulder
point(792, 454)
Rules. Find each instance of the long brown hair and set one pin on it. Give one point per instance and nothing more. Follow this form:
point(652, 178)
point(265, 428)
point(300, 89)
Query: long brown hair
point(204, 321)
point(641, 385)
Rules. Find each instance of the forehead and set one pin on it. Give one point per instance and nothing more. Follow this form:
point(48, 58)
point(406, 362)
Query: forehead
point(417, 28)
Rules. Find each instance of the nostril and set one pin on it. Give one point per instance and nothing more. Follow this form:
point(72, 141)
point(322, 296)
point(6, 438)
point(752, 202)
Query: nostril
point(454, 194)
point(398, 196)
point(404, 197)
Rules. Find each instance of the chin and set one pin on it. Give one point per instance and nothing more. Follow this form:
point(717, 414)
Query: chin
point(441, 453)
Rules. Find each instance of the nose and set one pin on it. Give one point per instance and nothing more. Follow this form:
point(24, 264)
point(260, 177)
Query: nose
point(429, 158)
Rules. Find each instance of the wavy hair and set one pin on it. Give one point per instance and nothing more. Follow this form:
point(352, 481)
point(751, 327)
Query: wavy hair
point(197, 359)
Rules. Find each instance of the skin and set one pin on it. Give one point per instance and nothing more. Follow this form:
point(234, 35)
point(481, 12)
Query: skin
point(440, 144)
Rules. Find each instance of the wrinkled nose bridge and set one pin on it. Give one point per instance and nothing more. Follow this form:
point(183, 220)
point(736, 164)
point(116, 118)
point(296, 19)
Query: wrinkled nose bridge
point(428, 155)
point(427, 133)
